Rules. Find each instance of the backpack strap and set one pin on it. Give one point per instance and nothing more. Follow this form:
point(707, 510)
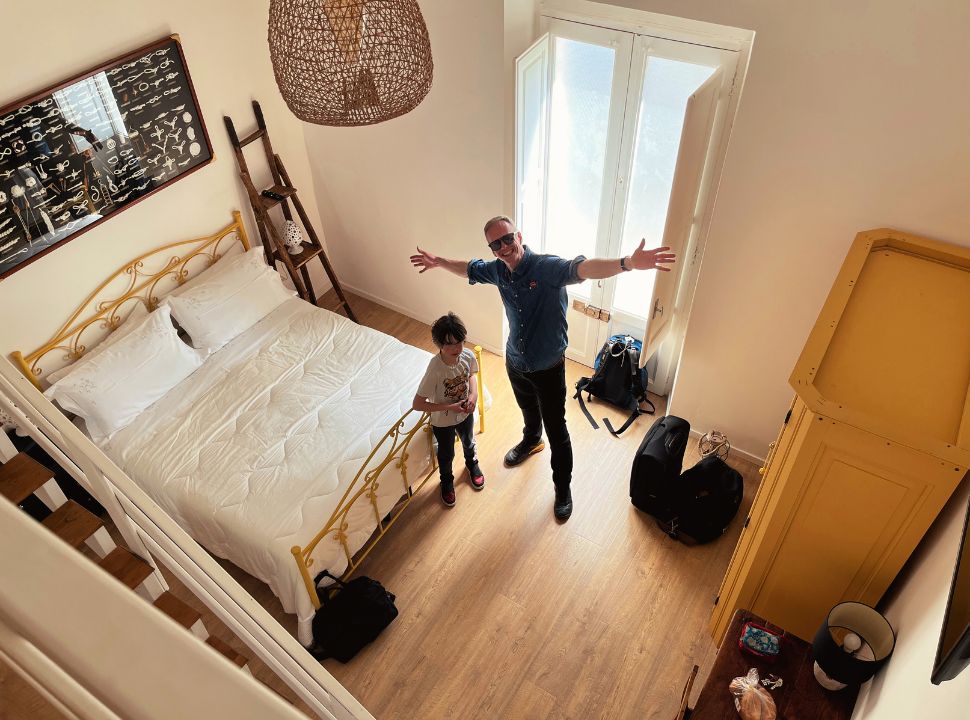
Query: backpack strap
point(634, 366)
point(629, 421)
point(580, 386)
point(324, 593)
point(634, 381)
point(326, 573)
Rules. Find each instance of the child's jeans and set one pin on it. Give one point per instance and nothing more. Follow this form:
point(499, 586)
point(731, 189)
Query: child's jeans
point(446, 447)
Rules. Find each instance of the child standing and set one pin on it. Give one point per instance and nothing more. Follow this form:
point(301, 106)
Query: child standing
point(449, 391)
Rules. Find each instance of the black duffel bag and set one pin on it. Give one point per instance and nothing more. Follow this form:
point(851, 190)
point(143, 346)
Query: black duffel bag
point(657, 466)
point(351, 618)
point(707, 498)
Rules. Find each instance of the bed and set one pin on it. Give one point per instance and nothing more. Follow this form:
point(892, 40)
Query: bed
point(290, 450)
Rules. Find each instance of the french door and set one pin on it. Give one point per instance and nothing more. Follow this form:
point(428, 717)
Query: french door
point(614, 131)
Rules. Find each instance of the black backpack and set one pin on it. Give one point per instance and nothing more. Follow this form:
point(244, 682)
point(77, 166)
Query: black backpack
point(707, 498)
point(351, 618)
point(618, 379)
point(657, 466)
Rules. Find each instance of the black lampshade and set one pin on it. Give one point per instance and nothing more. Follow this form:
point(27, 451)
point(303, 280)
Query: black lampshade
point(873, 629)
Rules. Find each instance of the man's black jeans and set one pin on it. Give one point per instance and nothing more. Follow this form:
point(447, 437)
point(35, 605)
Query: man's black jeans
point(446, 447)
point(542, 398)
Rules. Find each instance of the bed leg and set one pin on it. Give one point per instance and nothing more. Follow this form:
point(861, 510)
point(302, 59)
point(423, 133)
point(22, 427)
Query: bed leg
point(311, 587)
point(481, 390)
point(304, 632)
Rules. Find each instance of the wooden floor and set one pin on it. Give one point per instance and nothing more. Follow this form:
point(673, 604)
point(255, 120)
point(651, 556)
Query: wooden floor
point(505, 613)
point(19, 701)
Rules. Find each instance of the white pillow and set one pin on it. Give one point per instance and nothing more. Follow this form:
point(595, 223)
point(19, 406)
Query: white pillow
point(135, 318)
point(229, 302)
point(110, 390)
point(232, 257)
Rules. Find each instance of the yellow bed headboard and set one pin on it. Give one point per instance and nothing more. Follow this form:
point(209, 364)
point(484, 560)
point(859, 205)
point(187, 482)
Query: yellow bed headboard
point(137, 280)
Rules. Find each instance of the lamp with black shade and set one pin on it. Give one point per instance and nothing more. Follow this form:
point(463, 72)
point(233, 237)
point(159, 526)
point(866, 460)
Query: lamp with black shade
point(851, 646)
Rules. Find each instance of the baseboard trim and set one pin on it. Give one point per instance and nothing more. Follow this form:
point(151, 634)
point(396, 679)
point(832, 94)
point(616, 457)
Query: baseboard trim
point(413, 315)
point(750, 457)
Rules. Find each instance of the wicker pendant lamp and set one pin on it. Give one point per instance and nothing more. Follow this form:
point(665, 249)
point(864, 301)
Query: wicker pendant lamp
point(350, 62)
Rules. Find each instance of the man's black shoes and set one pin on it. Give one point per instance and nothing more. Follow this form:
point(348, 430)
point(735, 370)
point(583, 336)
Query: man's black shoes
point(520, 452)
point(564, 503)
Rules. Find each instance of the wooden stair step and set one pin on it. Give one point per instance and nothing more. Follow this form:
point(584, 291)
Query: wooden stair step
point(126, 567)
point(226, 650)
point(72, 523)
point(182, 613)
point(21, 476)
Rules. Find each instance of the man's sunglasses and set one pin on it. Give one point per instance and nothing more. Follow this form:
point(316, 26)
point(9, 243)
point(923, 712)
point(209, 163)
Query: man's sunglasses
point(495, 245)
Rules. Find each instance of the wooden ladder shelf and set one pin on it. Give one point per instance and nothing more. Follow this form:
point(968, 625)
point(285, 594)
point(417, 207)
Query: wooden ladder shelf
point(287, 199)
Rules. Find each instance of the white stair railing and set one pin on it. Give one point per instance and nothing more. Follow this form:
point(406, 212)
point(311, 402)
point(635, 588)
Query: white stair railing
point(99, 651)
point(51, 494)
point(167, 543)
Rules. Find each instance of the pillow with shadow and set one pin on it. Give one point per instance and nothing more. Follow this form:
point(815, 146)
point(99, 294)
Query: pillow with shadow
point(113, 388)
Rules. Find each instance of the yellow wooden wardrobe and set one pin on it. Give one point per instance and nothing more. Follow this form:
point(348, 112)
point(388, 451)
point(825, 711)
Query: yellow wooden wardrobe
point(875, 442)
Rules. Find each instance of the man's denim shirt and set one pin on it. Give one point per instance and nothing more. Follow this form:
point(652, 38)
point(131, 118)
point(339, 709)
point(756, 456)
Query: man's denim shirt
point(535, 304)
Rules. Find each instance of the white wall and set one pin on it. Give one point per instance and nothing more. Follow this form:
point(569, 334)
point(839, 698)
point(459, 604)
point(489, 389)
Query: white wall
point(903, 689)
point(430, 178)
point(521, 29)
point(227, 56)
point(852, 117)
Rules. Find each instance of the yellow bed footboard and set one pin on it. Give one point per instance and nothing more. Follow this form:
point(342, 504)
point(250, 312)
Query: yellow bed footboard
point(395, 446)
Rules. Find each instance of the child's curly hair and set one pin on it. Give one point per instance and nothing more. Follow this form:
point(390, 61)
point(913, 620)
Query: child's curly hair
point(448, 329)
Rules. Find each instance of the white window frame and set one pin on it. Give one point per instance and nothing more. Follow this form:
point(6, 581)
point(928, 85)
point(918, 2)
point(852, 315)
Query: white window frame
point(682, 30)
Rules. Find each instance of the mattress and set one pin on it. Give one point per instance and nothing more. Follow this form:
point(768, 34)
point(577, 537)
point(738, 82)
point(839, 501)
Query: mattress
point(252, 453)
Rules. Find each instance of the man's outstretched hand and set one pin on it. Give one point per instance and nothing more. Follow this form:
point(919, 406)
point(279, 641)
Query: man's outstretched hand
point(656, 259)
point(425, 261)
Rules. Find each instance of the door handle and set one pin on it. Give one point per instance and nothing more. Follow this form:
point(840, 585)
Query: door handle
point(658, 309)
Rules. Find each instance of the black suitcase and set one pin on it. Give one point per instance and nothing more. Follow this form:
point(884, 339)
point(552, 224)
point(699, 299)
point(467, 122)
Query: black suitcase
point(657, 466)
point(706, 499)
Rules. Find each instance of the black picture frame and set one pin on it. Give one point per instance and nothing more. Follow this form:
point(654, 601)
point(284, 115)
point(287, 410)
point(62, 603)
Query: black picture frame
point(75, 154)
point(953, 651)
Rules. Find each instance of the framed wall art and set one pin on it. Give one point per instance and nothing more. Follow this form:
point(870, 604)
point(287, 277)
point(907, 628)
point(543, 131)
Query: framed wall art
point(73, 155)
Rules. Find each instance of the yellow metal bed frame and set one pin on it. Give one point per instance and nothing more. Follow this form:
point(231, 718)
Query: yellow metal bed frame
point(397, 442)
point(135, 281)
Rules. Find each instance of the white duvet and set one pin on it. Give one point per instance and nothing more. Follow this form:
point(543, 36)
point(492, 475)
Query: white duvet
point(252, 453)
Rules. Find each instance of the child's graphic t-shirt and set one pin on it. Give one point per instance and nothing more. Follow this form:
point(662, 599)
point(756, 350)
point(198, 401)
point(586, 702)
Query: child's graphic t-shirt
point(443, 383)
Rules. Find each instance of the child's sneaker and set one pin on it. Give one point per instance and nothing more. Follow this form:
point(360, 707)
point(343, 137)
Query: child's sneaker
point(477, 478)
point(448, 494)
